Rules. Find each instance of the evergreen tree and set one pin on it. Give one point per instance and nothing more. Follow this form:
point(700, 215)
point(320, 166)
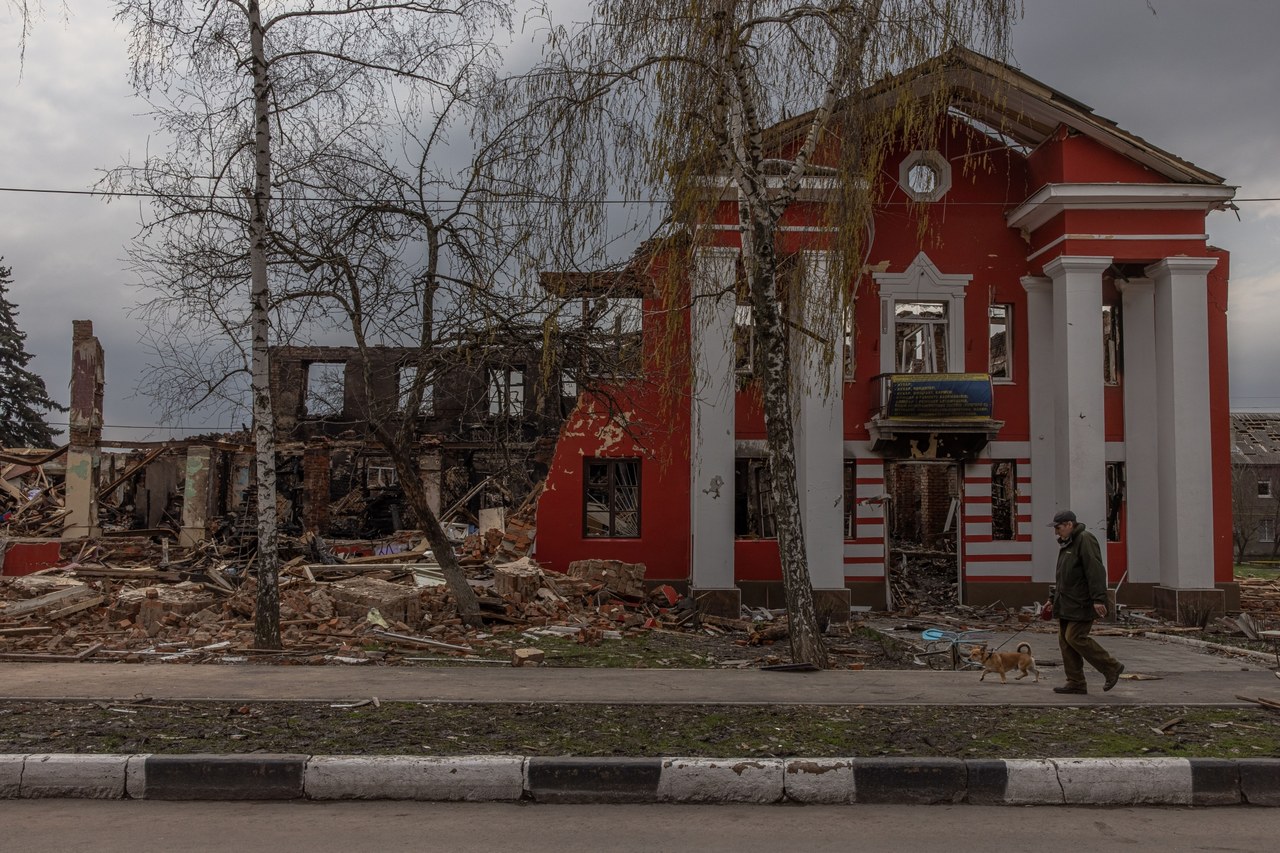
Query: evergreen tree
point(22, 393)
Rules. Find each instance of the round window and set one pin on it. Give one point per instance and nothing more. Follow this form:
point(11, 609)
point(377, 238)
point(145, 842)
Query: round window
point(922, 179)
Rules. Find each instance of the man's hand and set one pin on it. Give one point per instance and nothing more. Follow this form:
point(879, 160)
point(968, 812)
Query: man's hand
point(1100, 609)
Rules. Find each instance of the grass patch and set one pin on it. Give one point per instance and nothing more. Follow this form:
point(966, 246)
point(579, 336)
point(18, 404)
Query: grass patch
point(1266, 571)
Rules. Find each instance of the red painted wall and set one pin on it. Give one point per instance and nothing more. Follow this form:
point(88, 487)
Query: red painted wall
point(1220, 416)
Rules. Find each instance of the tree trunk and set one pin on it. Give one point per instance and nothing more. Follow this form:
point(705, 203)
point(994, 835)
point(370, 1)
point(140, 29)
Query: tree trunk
point(774, 366)
point(411, 485)
point(266, 621)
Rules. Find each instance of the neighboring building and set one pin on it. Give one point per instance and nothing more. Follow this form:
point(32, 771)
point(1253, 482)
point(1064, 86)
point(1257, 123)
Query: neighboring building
point(1064, 300)
point(1255, 478)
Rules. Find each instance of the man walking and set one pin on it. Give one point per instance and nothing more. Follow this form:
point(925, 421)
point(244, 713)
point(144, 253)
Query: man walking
point(1081, 597)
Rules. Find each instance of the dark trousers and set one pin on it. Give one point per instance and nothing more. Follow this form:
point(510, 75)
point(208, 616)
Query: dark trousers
point(1077, 647)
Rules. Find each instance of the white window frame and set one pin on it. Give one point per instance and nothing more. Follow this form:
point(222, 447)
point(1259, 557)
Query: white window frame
point(1266, 530)
point(1007, 379)
point(506, 392)
point(1264, 488)
point(921, 281)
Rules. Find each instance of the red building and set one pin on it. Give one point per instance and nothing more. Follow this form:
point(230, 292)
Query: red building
point(1055, 338)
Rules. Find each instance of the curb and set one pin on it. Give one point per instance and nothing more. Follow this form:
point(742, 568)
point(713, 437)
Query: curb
point(505, 778)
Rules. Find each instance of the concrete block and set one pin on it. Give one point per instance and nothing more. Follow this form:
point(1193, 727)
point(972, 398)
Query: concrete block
point(1260, 781)
point(1032, 782)
point(819, 780)
point(135, 777)
point(986, 781)
point(717, 780)
point(1125, 781)
point(10, 775)
point(593, 780)
point(223, 777)
point(910, 780)
point(1214, 782)
point(93, 777)
point(479, 778)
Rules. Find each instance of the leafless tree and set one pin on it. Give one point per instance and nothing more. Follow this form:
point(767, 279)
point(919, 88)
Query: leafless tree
point(251, 102)
point(746, 102)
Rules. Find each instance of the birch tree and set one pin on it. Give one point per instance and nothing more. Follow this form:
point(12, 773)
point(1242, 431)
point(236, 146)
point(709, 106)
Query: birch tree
point(751, 98)
point(250, 96)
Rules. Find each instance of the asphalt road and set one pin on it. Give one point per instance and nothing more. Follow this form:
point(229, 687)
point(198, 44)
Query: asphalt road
point(66, 826)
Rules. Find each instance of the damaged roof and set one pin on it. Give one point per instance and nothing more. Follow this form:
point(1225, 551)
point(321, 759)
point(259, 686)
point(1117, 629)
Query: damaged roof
point(1255, 438)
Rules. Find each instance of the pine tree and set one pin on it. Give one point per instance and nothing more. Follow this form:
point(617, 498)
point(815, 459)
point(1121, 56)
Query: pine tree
point(22, 393)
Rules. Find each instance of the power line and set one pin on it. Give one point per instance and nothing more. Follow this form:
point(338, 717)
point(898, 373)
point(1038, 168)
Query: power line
point(454, 201)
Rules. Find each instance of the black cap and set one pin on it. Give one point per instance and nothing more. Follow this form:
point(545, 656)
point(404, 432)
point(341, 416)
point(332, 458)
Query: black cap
point(1062, 516)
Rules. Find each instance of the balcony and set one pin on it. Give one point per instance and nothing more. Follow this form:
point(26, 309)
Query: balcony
point(932, 415)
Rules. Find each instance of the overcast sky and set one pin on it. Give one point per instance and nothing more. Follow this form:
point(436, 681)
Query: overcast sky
point(1199, 78)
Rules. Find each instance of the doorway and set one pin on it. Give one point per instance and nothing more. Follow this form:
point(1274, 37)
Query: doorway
point(923, 535)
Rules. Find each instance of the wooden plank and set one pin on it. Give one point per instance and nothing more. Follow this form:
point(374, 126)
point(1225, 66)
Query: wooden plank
point(31, 605)
point(64, 612)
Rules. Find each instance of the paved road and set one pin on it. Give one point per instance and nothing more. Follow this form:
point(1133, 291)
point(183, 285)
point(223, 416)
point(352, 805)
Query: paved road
point(1181, 676)
point(62, 826)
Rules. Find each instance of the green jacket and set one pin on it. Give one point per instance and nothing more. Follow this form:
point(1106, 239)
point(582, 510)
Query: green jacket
point(1081, 579)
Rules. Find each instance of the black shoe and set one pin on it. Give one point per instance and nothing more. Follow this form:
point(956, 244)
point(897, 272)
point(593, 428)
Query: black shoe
point(1067, 688)
point(1113, 678)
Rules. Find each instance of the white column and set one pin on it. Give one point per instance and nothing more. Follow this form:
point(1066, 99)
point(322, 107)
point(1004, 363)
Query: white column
point(1182, 389)
point(1040, 393)
point(818, 388)
point(1078, 403)
point(711, 442)
point(1141, 427)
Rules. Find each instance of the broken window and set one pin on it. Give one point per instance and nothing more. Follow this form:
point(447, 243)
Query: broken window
point(611, 505)
point(744, 340)
point(1266, 530)
point(754, 516)
point(326, 384)
point(1264, 488)
point(409, 375)
point(1111, 344)
point(568, 385)
point(920, 337)
point(999, 340)
point(380, 476)
point(506, 391)
point(1004, 500)
point(1115, 499)
point(618, 322)
point(850, 362)
point(850, 499)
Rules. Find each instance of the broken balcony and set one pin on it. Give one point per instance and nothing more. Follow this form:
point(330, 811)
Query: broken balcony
point(932, 415)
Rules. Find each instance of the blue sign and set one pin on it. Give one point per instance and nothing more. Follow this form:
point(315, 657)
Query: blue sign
point(939, 396)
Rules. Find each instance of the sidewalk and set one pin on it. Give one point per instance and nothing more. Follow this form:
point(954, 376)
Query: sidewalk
point(1181, 675)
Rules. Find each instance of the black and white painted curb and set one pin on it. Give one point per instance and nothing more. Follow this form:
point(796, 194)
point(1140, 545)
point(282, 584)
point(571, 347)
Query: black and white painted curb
point(499, 778)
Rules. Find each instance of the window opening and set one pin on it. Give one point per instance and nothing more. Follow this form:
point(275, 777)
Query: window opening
point(1004, 500)
point(612, 498)
point(1266, 530)
point(754, 516)
point(1264, 488)
point(1115, 499)
point(326, 386)
point(850, 499)
point(850, 341)
point(506, 391)
point(999, 327)
point(409, 375)
point(1111, 344)
point(920, 333)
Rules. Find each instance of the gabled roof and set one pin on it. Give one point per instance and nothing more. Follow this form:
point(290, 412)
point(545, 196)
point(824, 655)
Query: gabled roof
point(1016, 105)
point(1027, 110)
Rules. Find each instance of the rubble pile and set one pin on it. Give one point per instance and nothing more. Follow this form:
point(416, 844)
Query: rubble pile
point(138, 599)
point(1260, 596)
point(920, 581)
point(31, 503)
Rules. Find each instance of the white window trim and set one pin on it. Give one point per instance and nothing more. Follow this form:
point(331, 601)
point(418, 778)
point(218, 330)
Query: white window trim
point(1264, 485)
point(922, 281)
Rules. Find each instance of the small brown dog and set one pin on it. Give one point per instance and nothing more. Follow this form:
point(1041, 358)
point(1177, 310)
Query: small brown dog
point(1002, 662)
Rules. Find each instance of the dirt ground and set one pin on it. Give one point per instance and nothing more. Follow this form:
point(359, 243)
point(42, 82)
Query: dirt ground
point(369, 728)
